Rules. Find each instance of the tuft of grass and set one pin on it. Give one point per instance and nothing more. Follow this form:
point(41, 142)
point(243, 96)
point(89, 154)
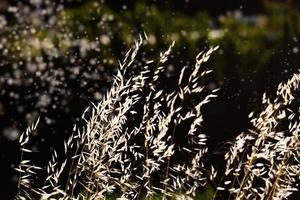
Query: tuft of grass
point(129, 145)
point(263, 163)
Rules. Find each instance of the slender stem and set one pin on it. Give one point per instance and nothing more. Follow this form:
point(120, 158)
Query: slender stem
point(19, 180)
point(277, 176)
point(168, 159)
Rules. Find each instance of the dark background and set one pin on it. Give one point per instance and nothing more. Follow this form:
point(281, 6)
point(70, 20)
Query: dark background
point(58, 56)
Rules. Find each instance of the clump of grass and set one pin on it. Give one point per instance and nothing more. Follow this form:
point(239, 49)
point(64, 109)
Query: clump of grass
point(144, 141)
point(263, 163)
point(129, 144)
point(26, 169)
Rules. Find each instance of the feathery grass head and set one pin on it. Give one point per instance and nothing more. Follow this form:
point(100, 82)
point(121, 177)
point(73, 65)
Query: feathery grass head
point(129, 144)
point(264, 162)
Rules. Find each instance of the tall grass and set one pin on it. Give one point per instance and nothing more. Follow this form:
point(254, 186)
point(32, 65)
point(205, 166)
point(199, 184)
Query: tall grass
point(143, 140)
point(263, 163)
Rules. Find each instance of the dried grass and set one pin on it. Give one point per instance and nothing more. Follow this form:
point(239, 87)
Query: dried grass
point(263, 163)
point(129, 146)
point(129, 141)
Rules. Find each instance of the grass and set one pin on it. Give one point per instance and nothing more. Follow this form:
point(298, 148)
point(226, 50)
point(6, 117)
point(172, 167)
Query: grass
point(133, 137)
point(207, 193)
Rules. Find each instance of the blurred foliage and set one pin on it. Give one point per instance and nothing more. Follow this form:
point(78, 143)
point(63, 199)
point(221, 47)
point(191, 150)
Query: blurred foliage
point(249, 44)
